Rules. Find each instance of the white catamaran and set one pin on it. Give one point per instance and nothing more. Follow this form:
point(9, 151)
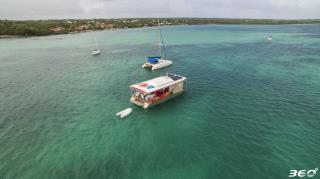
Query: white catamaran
point(157, 90)
point(157, 62)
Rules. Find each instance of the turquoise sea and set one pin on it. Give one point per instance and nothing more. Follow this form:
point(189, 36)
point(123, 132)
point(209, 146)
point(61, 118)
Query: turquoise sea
point(251, 110)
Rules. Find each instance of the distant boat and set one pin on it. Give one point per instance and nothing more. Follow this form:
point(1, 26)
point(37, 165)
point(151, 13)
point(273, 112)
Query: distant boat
point(157, 62)
point(270, 38)
point(96, 51)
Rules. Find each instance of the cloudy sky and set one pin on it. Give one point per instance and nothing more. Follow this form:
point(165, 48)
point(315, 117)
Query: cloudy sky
point(57, 9)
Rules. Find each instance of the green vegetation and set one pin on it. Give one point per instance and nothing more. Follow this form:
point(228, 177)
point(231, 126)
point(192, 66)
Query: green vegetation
point(51, 27)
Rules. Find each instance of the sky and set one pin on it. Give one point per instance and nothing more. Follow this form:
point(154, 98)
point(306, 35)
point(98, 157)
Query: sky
point(65, 9)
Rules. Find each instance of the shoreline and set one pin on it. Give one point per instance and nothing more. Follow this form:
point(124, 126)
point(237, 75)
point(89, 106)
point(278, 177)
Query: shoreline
point(97, 30)
point(67, 33)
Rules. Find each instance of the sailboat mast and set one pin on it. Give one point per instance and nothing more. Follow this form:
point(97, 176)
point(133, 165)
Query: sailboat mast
point(160, 50)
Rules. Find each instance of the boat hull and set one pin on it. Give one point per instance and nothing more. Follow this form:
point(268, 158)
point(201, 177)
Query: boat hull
point(96, 53)
point(146, 105)
point(161, 64)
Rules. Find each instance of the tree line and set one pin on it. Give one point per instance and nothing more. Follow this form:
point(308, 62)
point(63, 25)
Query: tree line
point(46, 27)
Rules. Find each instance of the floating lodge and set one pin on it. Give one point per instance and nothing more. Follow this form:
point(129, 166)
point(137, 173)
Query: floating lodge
point(157, 90)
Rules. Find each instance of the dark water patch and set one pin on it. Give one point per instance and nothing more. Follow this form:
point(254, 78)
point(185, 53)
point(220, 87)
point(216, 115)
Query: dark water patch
point(309, 35)
point(111, 166)
point(286, 64)
point(311, 28)
point(311, 61)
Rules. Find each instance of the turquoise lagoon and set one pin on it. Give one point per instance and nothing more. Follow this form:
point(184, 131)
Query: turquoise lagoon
point(251, 110)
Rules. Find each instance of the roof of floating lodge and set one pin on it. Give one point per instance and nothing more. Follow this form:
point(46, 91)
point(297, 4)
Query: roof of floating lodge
point(157, 83)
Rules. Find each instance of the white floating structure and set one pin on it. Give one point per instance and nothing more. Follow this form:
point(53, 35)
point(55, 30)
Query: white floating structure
point(270, 38)
point(124, 113)
point(157, 90)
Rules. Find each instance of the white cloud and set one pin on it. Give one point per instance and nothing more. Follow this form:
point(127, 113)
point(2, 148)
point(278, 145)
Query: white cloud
point(39, 9)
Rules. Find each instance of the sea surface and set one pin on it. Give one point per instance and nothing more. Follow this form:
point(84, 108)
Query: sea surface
point(251, 109)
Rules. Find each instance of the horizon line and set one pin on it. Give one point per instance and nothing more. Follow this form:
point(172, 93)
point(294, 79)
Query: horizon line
point(178, 17)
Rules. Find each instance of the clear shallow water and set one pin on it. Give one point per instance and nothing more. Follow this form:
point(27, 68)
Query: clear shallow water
point(252, 109)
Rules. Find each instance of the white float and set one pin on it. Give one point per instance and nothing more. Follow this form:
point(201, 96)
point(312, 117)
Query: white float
point(124, 113)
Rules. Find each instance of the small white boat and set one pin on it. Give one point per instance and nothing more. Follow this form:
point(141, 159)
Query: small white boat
point(269, 38)
point(95, 52)
point(124, 113)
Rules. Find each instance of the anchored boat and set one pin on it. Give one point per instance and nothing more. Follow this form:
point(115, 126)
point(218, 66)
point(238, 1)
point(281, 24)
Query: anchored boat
point(96, 51)
point(157, 90)
point(157, 62)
